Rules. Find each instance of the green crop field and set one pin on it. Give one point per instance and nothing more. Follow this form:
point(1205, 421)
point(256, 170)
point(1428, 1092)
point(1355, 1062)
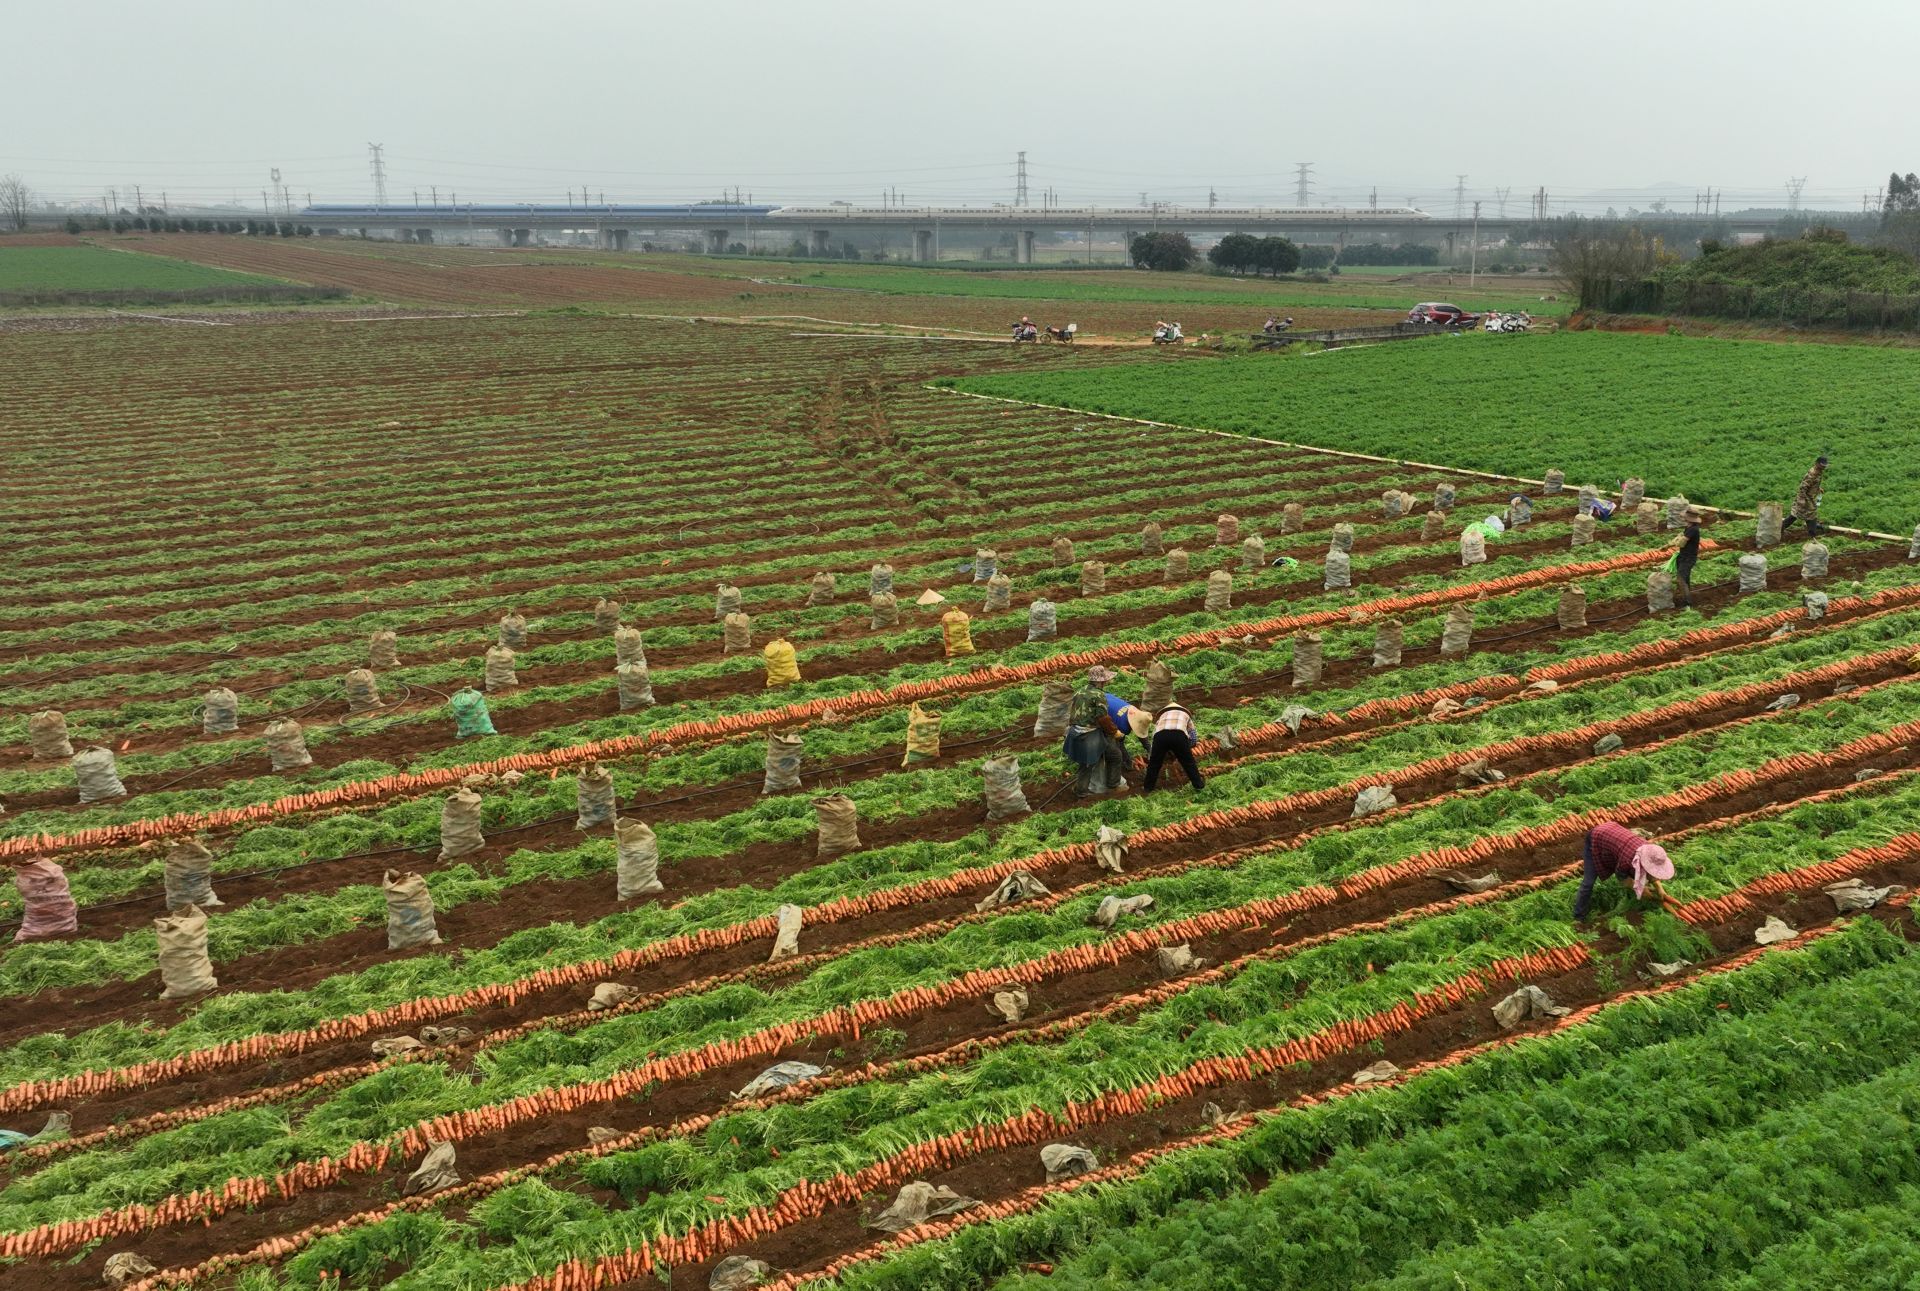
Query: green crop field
point(495, 807)
point(1727, 423)
point(87, 268)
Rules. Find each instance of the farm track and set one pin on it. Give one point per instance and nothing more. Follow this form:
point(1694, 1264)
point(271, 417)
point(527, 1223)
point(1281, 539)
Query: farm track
point(955, 1034)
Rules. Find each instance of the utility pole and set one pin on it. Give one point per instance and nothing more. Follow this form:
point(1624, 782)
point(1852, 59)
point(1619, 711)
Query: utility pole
point(1460, 197)
point(1020, 182)
point(1373, 199)
point(265, 209)
point(436, 195)
point(1302, 182)
point(1473, 247)
point(1213, 198)
point(378, 163)
point(139, 207)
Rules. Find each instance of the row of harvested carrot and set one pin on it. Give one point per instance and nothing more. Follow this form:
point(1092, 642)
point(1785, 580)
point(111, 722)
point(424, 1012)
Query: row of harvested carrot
point(233, 1053)
point(1033, 1197)
point(857, 702)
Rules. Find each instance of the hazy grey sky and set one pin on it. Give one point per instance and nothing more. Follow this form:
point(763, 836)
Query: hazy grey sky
point(805, 102)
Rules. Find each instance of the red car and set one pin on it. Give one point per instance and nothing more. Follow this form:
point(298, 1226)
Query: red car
point(1441, 314)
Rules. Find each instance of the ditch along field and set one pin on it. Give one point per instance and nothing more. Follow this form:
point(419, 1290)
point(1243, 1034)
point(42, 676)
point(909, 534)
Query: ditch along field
point(256, 503)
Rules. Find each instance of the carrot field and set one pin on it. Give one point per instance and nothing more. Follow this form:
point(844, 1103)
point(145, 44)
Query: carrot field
point(458, 905)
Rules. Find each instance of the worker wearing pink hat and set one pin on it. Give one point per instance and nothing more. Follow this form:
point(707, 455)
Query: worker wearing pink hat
point(1614, 851)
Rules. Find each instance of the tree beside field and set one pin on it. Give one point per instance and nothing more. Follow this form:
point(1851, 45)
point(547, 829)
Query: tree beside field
point(1244, 253)
point(15, 198)
point(1169, 251)
point(1900, 213)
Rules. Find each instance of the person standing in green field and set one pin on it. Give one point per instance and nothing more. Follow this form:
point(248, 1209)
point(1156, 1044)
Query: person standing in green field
point(1806, 500)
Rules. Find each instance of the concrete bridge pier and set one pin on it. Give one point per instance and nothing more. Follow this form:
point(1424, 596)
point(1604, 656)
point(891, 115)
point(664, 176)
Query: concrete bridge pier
point(716, 242)
point(523, 237)
point(506, 237)
point(1023, 247)
point(614, 239)
point(403, 235)
point(923, 244)
point(423, 235)
point(820, 241)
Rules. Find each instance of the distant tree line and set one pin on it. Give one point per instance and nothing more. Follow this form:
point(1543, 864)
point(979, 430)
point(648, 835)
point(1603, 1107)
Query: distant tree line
point(1244, 253)
point(127, 223)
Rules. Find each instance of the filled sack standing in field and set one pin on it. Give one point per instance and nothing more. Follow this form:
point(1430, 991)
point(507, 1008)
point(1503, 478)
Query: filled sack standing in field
point(1659, 591)
point(1056, 699)
point(923, 737)
point(383, 650)
point(363, 692)
point(1633, 490)
point(837, 821)
point(1308, 651)
point(783, 663)
point(1913, 545)
point(1767, 520)
point(1178, 565)
point(1753, 573)
point(1646, 518)
point(1589, 495)
point(1293, 517)
point(786, 933)
point(498, 669)
point(1093, 578)
point(1813, 560)
point(470, 715)
point(1815, 604)
point(1152, 538)
point(1253, 554)
point(1062, 552)
point(1395, 503)
point(1219, 592)
point(986, 563)
point(1043, 621)
point(1157, 686)
point(1342, 538)
point(219, 712)
point(1556, 480)
point(883, 611)
point(1572, 610)
point(1456, 633)
point(97, 773)
point(1519, 511)
point(955, 634)
point(460, 825)
point(47, 735)
point(999, 595)
point(783, 762)
point(1582, 530)
point(1389, 638)
point(736, 633)
point(820, 589)
point(185, 970)
point(636, 859)
point(1677, 508)
point(287, 744)
point(1009, 1005)
point(1226, 530)
point(593, 797)
point(50, 911)
point(513, 631)
point(187, 875)
point(409, 911)
point(1443, 496)
point(635, 684)
point(1001, 787)
point(726, 600)
point(880, 579)
point(629, 646)
point(1473, 545)
point(606, 616)
point(1433, 526)
point(1338, 574)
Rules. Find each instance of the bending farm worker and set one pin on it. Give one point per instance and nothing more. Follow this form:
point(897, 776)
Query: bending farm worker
point(1093, 741)
point(1129, 719)
point(1806, 500)
point(783, 666)
point(1173, 737)
point(1614, 851)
